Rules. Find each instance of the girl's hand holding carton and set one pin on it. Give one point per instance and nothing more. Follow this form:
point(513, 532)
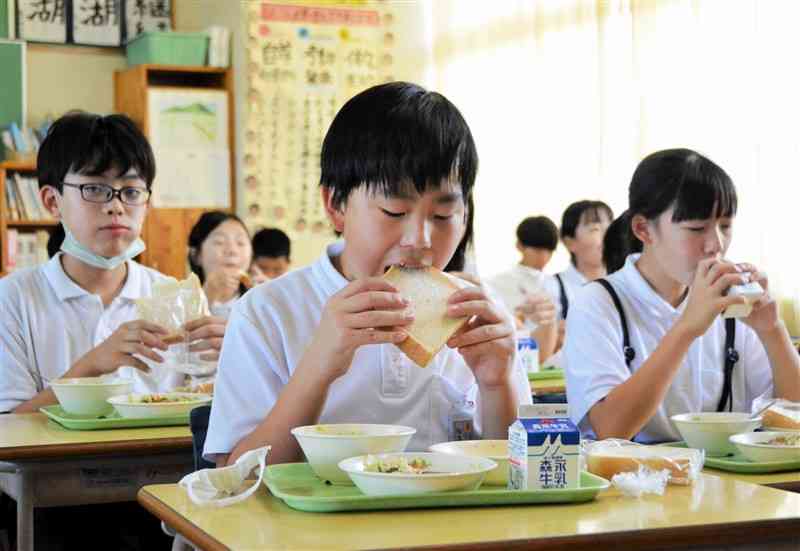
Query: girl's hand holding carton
point(707, 294)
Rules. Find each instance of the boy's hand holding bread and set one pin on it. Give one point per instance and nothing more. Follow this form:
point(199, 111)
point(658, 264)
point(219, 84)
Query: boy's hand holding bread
point(366, 311)
point(454, 312)
point(134, 337)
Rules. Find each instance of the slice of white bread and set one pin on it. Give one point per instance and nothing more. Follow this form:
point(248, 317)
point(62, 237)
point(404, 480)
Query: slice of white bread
point(782, 415)
point(428, 290)
point(683, 464)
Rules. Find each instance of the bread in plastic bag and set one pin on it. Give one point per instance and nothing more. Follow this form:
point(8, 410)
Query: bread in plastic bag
point(174, 303)
point(612, 456)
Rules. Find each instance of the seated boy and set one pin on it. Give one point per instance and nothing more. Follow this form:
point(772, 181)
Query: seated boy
point(317, 345)
point(75, 316)
point(272, 252)
point(522, 288)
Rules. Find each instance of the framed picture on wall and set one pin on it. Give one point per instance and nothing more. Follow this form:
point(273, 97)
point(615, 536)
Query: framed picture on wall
point(189, 132)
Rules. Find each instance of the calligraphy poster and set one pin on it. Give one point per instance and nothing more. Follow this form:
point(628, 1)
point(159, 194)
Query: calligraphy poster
point(145, 16)
point(303, 64)
point(42, 20)
point(96, 22)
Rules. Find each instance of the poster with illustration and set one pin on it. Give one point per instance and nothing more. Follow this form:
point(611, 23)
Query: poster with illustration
point(188, 130)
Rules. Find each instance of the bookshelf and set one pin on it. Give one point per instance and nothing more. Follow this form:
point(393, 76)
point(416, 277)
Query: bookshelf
point(166, 230)
point(7, 171)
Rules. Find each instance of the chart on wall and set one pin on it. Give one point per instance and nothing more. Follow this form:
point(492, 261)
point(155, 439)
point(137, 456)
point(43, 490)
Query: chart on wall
point(189, 133)
point(303, 64)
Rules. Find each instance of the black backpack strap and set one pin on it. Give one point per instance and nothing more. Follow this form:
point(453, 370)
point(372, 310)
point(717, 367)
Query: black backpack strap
point(731, 357)
point(627, 350)
point(563, 297)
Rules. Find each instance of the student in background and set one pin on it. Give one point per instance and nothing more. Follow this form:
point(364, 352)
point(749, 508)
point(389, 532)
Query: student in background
point(220, 254)
point(317, 345)
point(672, 290)
point(583, 226)
point(75, 315)
point(522, 288)
point(272, 252)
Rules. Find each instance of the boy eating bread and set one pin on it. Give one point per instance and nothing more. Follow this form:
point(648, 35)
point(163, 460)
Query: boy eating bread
point(319, 344)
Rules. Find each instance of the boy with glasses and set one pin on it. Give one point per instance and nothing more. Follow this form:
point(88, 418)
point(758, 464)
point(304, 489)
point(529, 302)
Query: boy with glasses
point(75, 315)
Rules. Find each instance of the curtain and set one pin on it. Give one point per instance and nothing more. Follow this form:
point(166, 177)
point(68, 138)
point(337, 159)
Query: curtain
point(564, 97)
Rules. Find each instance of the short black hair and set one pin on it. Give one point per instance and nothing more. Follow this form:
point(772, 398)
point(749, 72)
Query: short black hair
point(207, 223)
point(92, 144)
point(394, 136)
point(592, 210)
point(272, 243)
point(539, 232)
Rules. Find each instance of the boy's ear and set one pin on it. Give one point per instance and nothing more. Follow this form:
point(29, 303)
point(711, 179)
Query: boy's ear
point(50, 196)
point(335, 214)
point(642, 229)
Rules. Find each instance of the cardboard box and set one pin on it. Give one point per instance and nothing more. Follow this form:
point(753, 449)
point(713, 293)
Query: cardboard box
point(544, 448)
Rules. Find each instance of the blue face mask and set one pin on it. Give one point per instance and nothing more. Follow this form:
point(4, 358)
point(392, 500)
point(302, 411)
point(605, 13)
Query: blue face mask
point(72, 247)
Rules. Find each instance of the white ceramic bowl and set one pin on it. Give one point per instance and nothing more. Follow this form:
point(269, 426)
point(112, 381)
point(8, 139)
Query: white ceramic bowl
point(496, 450)
point(88, 395)
point(448, 472)
point(755, 446)
point(710, 431)
point(133, 406)
point(325, 445)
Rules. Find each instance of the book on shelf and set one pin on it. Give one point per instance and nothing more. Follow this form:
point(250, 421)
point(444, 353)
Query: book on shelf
point(23, 201)
point(26, 249)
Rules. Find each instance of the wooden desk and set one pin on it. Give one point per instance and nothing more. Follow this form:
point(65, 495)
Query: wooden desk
point(789, 481)
point(715, 511)
point(43, 464)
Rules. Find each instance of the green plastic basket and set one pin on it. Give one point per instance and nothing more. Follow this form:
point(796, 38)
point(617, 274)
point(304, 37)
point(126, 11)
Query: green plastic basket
point(168, 48)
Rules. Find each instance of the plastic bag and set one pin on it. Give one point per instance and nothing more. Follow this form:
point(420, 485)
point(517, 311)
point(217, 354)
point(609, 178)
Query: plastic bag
point(225, 485)
point(174, 303)
point(607, 458)
point(643, 481)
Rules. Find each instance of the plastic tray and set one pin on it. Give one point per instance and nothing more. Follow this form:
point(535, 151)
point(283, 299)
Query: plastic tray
point(299, 488)
point(110, 421)
point(546, 374)
point(737, 463)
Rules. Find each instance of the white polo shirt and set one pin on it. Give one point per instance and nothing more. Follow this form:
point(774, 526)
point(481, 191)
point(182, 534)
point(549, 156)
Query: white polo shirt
point(595, 362)
point(572, 279)
point(48, 322)
point(267, 334)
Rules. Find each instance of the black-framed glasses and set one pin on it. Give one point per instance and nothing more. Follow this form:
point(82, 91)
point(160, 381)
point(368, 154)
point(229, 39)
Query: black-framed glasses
point(103, 193)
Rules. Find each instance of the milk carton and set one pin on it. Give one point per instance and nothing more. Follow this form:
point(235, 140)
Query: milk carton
point(527, 351)
point(543, 448)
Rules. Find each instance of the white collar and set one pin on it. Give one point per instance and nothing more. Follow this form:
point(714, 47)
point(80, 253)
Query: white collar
point(639, 290)
point(326, 273)
point(572, 273)
point(65, 288)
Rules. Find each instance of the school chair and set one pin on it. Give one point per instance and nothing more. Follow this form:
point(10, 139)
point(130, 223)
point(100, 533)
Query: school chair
point(198, 424)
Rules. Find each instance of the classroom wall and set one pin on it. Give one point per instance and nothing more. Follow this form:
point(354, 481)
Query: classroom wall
point(61, 78)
